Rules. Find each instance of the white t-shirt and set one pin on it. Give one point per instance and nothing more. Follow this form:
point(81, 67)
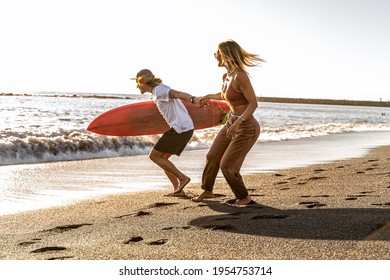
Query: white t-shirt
point(172, 109)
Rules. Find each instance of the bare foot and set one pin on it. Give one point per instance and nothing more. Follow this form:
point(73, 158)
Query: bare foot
point(243, 201)
point(174, 194)
point(183, 183)
point(203, 195)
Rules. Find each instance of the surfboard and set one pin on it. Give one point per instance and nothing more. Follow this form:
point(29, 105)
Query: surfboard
point(143, 118)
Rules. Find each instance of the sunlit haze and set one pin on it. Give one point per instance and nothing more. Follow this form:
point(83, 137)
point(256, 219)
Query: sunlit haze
point(337, 49)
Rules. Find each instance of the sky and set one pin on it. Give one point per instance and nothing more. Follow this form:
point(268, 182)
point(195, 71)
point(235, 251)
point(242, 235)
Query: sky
point(336, 49)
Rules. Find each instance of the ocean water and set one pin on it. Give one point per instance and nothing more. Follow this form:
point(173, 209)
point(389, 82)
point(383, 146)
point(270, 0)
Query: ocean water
point(47, 155)
point(52, 127)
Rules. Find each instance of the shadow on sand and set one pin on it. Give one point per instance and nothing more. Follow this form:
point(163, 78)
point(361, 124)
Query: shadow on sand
point(312, 223)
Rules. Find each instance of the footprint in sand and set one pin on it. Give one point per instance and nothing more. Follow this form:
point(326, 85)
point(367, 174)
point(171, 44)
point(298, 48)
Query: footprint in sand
point(170, 228)
point(382, 204)
point(60, 258)
point(317, 178)
point(319, 170)
point(158, 242)
point(356, 196)
point(65, 228)
point(136, 214)
point(322, 195)
point(281, 183)
point(144, 213)
point(49, 249)
point(370, 168)
point(314, 178)
point(162, 204)
point(134, 239)
point(313, 204)
point(316, 205)
point(26, 243)
point(31, 242)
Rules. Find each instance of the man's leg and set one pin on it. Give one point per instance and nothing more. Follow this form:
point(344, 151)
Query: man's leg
point(173, 174)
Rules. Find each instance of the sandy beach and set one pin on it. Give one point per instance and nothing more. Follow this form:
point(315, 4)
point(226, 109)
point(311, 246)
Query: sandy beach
point(327, 211)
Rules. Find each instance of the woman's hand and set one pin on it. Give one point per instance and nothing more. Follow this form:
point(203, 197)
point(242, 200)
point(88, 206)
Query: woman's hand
point(203, 101)
point(232, 130)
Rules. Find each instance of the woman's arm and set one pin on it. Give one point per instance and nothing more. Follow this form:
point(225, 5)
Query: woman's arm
point(215, 96)
point(201, 101)
point(204, 101)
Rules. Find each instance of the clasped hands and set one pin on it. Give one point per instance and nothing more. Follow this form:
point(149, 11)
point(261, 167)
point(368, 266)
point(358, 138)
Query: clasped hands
point(201, 101)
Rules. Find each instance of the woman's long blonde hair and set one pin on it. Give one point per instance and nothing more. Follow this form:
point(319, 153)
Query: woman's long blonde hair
point(233, 56)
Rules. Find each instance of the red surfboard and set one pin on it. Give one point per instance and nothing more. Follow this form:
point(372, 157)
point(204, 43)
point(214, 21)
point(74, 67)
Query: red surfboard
point(143, 118)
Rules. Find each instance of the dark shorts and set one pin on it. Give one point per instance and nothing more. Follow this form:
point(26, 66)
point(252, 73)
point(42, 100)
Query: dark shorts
point(172, 142)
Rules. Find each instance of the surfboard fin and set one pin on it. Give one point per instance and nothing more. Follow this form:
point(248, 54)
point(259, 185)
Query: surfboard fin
point(225, 118)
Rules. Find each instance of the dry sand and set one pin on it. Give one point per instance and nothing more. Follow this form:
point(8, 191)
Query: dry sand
point(337, 210)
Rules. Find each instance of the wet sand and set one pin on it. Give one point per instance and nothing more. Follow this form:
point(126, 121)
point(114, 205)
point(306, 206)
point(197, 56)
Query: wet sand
point(27, 187)
point(338, 210)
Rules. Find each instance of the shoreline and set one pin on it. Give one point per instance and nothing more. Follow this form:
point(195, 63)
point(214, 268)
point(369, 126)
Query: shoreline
point(318, 101)
point(51, 184)
point(338, 210)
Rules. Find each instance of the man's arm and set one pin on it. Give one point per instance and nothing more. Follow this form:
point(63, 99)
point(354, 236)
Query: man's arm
point(181, 95)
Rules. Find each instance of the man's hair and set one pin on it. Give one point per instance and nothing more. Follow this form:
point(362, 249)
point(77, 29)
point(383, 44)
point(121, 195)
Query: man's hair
point(146, 77)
